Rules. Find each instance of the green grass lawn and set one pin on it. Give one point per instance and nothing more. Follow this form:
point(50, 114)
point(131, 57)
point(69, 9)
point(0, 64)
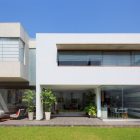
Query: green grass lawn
point(68, 133)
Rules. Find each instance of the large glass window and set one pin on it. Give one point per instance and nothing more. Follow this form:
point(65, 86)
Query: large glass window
point(11, 49)
point(98, 58)
point(121, 101)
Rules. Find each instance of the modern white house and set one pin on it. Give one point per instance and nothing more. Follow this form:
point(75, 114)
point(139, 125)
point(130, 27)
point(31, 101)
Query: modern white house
point(75, 66)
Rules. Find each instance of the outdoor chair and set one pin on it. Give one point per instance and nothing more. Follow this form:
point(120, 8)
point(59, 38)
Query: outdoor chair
point(112, 112)
point(116, 112)
point(19, 115)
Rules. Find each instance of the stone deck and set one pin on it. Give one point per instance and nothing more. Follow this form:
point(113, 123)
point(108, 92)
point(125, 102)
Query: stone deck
point(73, 121)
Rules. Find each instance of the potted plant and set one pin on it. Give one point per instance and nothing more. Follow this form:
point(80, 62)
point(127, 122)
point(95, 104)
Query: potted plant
point(91, 110)
point(47, 99)
point(28, 99)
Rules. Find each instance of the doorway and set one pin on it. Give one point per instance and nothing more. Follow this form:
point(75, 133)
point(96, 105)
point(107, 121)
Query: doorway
point(73, 102)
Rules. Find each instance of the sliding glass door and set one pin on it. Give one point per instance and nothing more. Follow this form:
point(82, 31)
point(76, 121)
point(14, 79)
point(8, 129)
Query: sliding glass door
point(121, 101)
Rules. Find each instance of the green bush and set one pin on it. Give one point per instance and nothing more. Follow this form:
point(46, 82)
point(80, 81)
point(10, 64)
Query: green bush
point(91, 110)
point(28, 98)
point(47, 99)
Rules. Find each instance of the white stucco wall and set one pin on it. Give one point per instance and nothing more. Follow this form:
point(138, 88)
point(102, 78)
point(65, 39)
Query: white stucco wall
point(48, 73)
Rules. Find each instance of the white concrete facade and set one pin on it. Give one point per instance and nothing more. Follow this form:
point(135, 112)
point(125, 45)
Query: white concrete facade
point(51, 75)
point(47, 61)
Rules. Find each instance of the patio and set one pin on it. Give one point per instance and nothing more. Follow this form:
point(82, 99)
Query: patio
point(74, 121)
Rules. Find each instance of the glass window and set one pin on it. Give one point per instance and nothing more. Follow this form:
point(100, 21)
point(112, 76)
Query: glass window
point(21, 51)
point(73, 58)
point(95, 58)
point(0, 49)
point(136, 58)
point(11, 49)
point(121, 101)
point(99, 58)
point(116, 58)
point(10, 41)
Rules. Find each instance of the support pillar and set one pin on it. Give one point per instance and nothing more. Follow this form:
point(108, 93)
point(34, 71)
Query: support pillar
point(39, 108)
point(98, 102)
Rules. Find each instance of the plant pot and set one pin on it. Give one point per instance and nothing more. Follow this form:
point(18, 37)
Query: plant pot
point(57, 111)
point(47, 115)
point(31, 115)
point(91, 116)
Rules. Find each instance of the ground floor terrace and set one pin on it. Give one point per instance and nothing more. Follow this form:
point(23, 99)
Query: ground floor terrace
point(112, 102)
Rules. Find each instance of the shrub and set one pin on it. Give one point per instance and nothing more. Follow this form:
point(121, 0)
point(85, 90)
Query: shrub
point(47, 99)
point(91, 110)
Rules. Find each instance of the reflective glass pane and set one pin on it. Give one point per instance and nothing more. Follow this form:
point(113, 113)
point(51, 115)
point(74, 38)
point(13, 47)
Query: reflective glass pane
point(136, 58)
point(116, 58)
point(121, 101)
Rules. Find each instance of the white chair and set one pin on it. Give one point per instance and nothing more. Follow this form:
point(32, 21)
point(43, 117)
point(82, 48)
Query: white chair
point(20, 114)
point(116, 112)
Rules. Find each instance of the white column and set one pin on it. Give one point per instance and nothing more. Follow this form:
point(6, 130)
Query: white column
point(98, 102)
point(39, 109)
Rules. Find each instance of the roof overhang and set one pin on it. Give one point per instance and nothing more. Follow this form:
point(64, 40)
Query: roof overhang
point(98, 47)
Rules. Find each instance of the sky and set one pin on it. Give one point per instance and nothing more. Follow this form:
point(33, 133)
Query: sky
point(73, 16)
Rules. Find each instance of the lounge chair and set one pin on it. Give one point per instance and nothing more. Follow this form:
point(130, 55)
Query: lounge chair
point(19, 115)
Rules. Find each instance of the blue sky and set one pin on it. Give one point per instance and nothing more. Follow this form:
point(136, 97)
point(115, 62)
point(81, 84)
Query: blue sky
point(73, 16)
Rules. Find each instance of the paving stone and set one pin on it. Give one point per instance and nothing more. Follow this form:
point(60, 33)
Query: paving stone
point(72, 121)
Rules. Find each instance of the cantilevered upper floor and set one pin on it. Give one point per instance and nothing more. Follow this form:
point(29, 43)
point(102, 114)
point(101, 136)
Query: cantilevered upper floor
point(88, 59)
point(14, 53)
